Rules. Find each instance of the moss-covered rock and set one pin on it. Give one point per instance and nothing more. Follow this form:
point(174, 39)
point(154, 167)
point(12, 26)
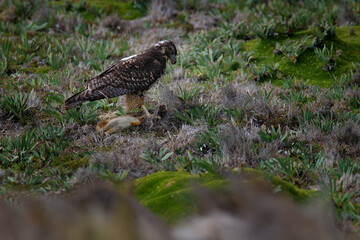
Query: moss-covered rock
point(169, 194)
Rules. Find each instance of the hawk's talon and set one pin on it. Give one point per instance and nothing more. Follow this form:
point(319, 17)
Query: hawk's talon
point(149, 115)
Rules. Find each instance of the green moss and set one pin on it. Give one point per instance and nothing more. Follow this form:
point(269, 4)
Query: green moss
point(308, 65)
point(69, 162)
point(125, 10)
point(36, 70)
point(169, 194)
point(92, 9)
point(42, 70)
point(298, 194)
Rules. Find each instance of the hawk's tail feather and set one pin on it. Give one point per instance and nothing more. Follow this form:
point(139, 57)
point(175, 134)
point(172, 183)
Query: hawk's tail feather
point(92, 95)
point(75, 100)
point(81, 97)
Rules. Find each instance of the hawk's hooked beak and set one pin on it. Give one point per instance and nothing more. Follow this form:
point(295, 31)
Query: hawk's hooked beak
point(173, 59)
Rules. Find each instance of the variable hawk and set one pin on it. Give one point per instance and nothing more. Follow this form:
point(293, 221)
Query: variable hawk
point(131, 76)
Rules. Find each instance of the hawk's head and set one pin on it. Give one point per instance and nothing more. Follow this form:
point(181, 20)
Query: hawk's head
point(168, 49)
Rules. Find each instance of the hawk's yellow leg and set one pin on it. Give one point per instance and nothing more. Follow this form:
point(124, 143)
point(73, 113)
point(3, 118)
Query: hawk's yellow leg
point(134, 101)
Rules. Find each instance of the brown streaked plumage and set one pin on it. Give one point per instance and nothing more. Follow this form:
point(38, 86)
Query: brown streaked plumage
point(131, 76)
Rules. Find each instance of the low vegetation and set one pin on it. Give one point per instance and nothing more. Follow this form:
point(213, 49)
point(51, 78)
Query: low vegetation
point(266, 86)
